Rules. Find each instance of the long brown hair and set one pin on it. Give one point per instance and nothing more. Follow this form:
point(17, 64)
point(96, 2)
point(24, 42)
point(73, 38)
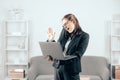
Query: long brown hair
point(71, 17)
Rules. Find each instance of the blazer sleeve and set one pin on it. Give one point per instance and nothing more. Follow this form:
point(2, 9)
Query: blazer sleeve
point(82, 45)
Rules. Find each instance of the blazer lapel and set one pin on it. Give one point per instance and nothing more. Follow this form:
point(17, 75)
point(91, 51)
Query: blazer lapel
point(73, 42)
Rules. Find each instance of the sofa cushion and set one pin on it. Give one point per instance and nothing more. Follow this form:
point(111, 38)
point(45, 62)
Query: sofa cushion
point(95, 65)
point(45, 77)
point(43, 66)
point(91, 77)
point(51, 77)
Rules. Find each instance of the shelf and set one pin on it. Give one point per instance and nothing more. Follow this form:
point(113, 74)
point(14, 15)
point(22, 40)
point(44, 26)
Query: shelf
point(23, 21)
point(16, 49)
point(115, 50)
point(115, 64)
point(115, 79)
point(115, 36)
point(12, 64)
point(115, 21)
point(16, 35)
point(15, 78)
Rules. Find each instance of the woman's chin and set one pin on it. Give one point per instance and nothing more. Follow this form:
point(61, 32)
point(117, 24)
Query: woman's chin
point(70, 31)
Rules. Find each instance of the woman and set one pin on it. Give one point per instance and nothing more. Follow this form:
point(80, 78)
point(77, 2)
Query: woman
point(74, 42)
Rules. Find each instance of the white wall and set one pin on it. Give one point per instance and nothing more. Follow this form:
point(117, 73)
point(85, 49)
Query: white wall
point(92, 15)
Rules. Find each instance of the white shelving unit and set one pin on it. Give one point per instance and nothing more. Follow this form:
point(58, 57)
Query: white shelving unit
point(15, 48)
point(115, 49)
point(1, 59)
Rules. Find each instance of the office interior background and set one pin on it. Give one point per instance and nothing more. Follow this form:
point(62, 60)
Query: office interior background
point(94, 17)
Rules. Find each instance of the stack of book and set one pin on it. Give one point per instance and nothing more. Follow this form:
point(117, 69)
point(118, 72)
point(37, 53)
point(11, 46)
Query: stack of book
point(117, 72)
point(16, 73)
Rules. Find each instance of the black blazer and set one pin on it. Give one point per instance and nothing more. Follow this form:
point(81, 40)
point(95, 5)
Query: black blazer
point(76, 47)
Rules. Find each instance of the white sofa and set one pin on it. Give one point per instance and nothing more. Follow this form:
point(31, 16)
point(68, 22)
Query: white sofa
point(94, 67)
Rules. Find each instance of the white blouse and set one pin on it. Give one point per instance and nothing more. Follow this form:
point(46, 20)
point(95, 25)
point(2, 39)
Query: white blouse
point(66, 46)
